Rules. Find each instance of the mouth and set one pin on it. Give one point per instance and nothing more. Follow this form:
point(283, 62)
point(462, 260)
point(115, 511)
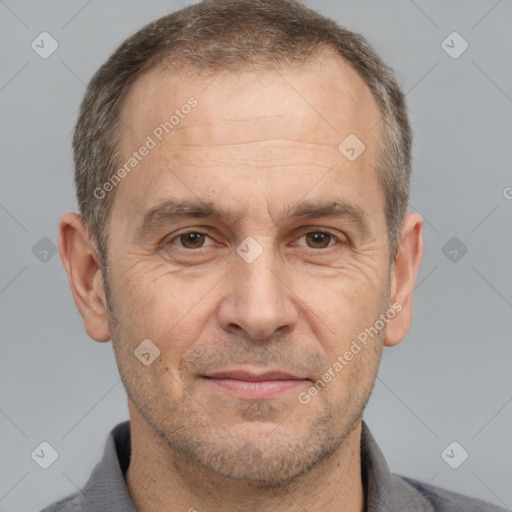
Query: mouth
point(255, 386)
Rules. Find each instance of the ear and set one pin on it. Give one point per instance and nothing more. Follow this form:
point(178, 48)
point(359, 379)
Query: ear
point(404, 272)
point(85, 279)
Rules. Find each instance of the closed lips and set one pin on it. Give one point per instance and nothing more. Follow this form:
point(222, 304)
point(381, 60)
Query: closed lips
point(241, 375)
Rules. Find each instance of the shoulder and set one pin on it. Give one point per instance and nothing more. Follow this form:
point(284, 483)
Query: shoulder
point(80, 502)
point(438, 499)
point(71, 503)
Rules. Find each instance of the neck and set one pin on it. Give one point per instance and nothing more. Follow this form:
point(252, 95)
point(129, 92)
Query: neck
point(161, 480)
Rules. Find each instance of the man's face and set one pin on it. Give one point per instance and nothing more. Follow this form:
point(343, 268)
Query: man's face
point(259, 145)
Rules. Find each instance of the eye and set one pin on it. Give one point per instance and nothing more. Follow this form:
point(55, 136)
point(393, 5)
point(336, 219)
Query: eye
point(320, 239)
point(197, 240)
point(190, 240)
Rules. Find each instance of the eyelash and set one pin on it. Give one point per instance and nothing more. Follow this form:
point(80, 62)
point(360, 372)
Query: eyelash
point(177, 236)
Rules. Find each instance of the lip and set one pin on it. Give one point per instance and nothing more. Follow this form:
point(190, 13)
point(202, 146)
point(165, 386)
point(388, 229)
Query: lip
point(255, 386)
point(249, 376)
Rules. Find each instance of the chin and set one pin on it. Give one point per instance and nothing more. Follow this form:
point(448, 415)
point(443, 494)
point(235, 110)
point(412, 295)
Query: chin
point(263, 454)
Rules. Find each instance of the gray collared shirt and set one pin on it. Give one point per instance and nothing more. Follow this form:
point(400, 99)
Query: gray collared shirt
point(106, 489)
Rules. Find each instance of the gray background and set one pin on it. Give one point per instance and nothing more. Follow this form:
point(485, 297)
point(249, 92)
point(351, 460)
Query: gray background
point(450, 380)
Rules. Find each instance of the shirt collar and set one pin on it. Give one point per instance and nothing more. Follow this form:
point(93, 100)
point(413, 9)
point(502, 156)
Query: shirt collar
point(377, 479)
point(106, 488)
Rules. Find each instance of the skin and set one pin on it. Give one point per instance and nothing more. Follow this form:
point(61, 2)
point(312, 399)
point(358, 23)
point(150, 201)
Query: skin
point(256, 143)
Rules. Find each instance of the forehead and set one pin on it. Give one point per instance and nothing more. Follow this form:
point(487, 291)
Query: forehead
point(254, 129)
point(324, 98)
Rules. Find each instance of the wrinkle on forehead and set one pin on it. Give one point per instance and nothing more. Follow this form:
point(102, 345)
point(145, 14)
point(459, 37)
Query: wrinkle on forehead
point(320, 102)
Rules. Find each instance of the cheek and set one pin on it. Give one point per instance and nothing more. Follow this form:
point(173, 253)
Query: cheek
point(346, 301)
point(156, 302)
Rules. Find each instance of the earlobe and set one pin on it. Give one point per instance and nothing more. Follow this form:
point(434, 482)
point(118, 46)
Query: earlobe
point(84, 275)
point(404, 272)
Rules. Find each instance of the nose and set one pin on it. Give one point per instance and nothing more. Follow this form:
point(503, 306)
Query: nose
point(258, 300)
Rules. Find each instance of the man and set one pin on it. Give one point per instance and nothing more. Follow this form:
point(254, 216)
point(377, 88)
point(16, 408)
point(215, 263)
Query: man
point(243, 172)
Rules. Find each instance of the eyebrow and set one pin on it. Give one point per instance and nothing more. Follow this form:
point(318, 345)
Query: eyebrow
point(172, 210)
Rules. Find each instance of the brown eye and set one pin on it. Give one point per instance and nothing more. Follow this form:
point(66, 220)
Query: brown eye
point(191, 240)
point(318, 239)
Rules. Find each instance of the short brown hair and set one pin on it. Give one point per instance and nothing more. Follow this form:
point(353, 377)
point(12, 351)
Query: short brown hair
point(220, 35)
